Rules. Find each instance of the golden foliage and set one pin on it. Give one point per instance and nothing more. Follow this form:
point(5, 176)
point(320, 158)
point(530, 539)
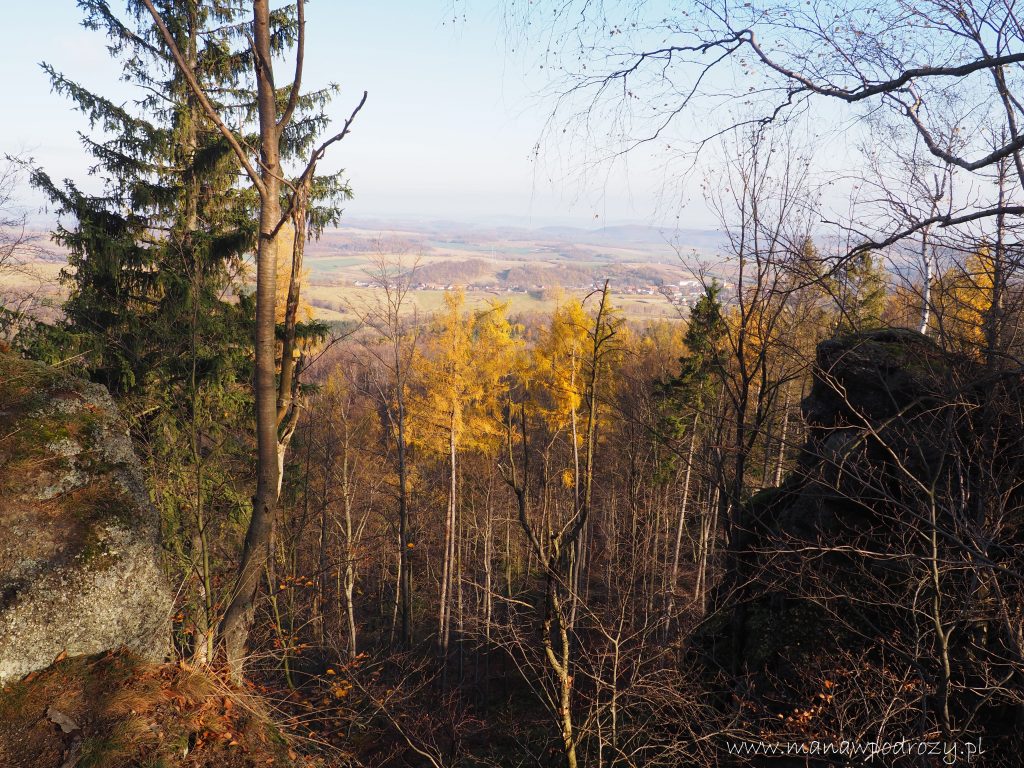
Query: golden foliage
point(458, 375)
point(963, 300)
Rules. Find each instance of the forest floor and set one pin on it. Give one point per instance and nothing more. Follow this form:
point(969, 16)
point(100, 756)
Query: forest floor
point(112, 711)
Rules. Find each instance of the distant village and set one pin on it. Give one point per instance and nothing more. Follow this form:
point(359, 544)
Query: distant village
point(681, 293)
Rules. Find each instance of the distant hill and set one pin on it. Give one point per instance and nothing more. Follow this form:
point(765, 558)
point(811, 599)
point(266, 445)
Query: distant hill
point(620, 234)
point(534, 264)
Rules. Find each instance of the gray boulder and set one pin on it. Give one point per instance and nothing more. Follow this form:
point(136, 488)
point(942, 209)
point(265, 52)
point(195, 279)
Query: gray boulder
point(80, 566)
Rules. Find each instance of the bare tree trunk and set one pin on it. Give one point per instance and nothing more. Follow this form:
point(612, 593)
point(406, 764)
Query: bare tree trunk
point(926, 289)
point(576, 552)
point(404, 562)
point(488, 571)
point(350, 546)
point(238, 617)
point(559, 660)
point(398, 594)
point(681, 523)
point(941, 633)
point(277, 240)
point(780, 458)
point(256, 551)
point(448, 565)
point(319, 611)
point(993, 318)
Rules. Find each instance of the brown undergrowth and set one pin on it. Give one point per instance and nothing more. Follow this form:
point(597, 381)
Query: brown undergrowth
point(113, 711)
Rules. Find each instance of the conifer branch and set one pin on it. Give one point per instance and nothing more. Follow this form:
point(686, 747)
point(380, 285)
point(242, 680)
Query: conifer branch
point(204, 101)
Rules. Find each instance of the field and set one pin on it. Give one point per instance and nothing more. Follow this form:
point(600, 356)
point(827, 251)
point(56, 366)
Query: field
point(531, 270)
point(347, 302)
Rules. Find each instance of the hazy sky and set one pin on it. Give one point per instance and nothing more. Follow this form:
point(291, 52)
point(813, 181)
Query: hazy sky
point(448, 130)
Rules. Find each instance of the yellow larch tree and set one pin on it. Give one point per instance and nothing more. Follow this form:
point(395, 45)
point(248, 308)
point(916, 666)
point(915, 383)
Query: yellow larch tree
point(963, 301)
point(557, 377)
point(457, 407)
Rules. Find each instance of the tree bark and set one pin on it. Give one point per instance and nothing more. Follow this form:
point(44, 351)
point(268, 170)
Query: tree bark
point(256, 551)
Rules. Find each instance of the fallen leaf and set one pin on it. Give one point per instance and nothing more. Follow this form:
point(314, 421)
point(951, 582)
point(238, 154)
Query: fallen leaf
point(59, 718)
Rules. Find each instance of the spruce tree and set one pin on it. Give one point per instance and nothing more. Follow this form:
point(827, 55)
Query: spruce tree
point(860, 294)
point(158, 246)
point(160, 300)
point(683, 398)
point(156, 266)
point(705, 334)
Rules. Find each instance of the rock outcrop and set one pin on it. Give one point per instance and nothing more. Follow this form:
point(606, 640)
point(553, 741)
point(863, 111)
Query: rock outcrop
point(882, 587)
point(80, 565)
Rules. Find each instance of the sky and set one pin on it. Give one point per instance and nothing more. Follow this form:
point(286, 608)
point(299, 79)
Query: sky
point(454, 112)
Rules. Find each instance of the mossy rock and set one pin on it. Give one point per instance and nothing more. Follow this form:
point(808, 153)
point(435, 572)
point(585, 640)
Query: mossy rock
point(80, 566)
point(874, 376)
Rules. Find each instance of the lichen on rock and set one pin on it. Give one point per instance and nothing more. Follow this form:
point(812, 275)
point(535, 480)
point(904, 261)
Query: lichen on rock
point(80, 567)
